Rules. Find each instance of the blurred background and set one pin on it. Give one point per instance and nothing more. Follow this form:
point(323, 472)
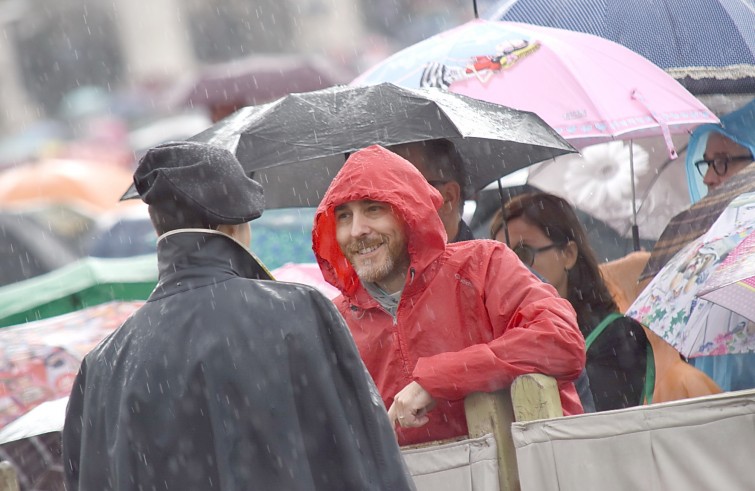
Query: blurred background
point(86, 86)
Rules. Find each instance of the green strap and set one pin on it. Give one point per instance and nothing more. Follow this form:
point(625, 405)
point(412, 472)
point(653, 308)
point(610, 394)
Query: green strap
point(600, 328)
point(647, 396)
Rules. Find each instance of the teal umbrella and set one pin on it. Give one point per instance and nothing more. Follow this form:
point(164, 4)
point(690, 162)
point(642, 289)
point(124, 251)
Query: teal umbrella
point(85, 283)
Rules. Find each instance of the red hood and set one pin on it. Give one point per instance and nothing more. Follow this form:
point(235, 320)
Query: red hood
point(377, 174)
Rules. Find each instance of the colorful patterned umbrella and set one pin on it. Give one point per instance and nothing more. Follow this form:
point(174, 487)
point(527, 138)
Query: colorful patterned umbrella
point(39, 360)
point(695, 220)
point(670, 307)
point(732, 284)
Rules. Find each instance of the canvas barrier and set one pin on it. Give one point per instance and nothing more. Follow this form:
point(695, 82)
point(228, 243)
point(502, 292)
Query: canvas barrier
point(702, 443)
point(466, 465)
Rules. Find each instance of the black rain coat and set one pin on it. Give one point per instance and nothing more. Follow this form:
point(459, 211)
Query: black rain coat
point(224, 382)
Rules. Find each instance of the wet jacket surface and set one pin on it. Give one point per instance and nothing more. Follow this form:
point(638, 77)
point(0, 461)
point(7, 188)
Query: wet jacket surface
point(471, 316)
point(223, 382)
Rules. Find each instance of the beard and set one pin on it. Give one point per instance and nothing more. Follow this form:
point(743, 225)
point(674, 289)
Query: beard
point(375, 269)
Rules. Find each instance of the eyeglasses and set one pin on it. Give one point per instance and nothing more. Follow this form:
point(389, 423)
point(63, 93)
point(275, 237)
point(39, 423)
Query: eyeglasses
point(527, 253)
point(720, 164)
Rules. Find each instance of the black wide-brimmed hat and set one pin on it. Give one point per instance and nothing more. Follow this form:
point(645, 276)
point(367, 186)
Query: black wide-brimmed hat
point(204, 180)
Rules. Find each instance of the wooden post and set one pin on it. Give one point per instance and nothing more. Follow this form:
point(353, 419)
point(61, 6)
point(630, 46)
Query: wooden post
point(491, 412)
point(535, 396)
point(532, 396)
point(8, 479)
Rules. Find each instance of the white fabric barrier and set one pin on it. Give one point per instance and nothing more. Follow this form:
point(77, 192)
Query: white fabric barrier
point(706, 443)
point(467, 465)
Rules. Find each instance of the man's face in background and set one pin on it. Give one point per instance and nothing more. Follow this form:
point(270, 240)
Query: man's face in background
point(728, 155)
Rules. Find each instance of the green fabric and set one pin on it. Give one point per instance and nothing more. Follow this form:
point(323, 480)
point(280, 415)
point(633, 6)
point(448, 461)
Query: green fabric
point(88, 282)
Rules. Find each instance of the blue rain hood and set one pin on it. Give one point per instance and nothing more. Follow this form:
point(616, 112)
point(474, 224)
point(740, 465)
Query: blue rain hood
point(739, 126)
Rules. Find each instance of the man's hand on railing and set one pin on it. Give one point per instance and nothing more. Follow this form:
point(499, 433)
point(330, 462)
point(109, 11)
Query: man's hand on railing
point(410, 406)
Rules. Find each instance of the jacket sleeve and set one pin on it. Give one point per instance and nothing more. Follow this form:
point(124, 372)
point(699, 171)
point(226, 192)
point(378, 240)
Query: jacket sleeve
point(533, 331)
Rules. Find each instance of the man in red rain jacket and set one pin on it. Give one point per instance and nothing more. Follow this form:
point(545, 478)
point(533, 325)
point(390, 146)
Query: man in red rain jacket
point(434, 322)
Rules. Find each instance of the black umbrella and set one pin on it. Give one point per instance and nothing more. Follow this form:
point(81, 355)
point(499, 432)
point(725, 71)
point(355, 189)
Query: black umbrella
point(296, 145)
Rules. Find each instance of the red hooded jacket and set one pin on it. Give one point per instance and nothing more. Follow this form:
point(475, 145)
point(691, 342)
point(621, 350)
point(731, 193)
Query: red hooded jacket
point(471, 316)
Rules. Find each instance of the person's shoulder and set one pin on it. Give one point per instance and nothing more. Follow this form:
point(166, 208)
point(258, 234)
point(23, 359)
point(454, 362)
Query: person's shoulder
point(480, 252)
point(479, 247)
point(629, 325)
point(283, 289)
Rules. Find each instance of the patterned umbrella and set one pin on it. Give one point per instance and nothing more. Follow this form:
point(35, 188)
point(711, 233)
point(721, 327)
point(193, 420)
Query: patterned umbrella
point(39, 360)
point(694, 221)
point(732, 284)
point(589, 89)
point(670, 307)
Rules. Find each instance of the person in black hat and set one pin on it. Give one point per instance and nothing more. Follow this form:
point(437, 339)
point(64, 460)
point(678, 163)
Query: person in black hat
point(221, 380)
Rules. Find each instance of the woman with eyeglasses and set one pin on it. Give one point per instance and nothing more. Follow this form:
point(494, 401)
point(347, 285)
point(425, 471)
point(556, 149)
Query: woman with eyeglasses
point(545, 233)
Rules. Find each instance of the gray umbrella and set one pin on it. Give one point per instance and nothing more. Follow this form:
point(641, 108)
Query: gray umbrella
point(296, 145)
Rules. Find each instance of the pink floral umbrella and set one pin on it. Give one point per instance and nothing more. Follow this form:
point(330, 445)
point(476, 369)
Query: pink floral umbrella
point(589, 89)
point(732, 284)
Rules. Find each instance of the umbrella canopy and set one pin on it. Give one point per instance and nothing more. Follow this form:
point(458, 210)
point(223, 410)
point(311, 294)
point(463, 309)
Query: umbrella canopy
point(48, 417)
point(296, 145)
point(255, 80)
point(39, 360)
point(697, 219)
point(596, 181)
point(38, 363)
point(669, 305)
point(84, 283)
point(732, 284)
point(707, 45)
point(588, 88)
point(92, 185)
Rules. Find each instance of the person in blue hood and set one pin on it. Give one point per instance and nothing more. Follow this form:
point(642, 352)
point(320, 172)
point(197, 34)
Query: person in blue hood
point(716, 153)
point(729, 146)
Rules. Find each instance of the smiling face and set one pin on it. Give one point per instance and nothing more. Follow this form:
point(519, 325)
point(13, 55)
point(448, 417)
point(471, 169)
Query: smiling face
point(374, 241)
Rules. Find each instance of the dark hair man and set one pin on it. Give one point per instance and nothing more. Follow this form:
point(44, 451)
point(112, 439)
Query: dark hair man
point(221, 381)
point(434, 321)
point(441, 164)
